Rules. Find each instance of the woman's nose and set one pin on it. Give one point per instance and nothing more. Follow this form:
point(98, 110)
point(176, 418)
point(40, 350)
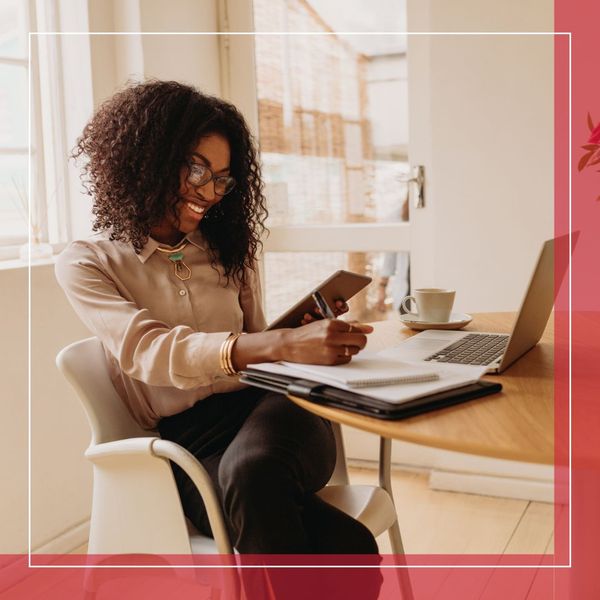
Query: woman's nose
point(208, 190)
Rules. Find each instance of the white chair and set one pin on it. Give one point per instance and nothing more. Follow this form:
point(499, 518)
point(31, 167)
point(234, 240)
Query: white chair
point(136, 506)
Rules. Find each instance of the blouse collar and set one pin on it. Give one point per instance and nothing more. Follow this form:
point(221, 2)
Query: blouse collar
point(194, 237)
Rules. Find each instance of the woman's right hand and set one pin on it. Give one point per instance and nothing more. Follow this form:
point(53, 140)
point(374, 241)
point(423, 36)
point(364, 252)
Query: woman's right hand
point(323, 342)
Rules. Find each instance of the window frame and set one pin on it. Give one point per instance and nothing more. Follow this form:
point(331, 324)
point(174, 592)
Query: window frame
point(9, 244)
point(48, 120)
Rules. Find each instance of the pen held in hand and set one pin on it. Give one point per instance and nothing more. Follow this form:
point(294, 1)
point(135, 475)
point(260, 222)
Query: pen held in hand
point(323, 306)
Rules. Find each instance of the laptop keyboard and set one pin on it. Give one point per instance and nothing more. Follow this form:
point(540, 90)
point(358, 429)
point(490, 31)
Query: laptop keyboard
point(473, 349)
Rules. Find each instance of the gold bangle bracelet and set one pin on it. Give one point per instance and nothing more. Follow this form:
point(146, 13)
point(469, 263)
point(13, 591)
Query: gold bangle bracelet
point(232, 341)
point(226, 352)
point(225, 355)
point(222, 354)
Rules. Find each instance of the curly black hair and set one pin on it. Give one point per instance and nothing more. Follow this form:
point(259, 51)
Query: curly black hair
point(135, 146)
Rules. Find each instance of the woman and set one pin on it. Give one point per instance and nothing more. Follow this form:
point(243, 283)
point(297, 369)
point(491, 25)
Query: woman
point(169, 282)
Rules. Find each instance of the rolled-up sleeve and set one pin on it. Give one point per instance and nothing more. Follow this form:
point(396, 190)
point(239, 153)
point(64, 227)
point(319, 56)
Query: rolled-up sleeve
point(146, 349)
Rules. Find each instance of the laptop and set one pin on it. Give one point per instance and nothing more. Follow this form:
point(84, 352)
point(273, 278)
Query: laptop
point(497, 351)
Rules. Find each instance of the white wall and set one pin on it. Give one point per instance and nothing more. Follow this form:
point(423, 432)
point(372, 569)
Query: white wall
point(482, 123)
point(13, 394)
point(192, 58)
point(61, 478)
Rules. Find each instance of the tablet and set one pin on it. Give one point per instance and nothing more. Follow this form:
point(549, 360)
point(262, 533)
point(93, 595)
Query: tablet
point(342, 285)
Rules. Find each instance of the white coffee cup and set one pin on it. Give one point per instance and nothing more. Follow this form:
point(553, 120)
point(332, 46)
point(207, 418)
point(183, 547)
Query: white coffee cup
point(433, 305)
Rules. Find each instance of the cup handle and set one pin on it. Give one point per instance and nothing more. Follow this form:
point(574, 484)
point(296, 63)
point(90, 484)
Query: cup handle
point(404, 304)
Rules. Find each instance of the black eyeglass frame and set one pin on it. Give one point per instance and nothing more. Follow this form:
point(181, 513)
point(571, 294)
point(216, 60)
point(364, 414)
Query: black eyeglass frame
point(223, 179)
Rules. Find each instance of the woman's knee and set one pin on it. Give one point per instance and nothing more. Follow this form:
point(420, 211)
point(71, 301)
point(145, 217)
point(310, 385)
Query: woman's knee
point(267, 475)
point(280, 441)
point(249, 471)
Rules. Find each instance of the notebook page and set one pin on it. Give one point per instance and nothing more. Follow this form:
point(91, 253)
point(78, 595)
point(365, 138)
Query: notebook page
point(450, 377)
point(369, 371)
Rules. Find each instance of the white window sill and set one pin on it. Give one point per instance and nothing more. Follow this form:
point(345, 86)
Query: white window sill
point(6, 265)
point(9, 258)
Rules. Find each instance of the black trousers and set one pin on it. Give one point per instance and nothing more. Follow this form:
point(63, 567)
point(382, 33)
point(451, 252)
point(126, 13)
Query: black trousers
point(266, 457)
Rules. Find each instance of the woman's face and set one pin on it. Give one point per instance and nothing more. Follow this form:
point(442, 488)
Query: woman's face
point(212, 151)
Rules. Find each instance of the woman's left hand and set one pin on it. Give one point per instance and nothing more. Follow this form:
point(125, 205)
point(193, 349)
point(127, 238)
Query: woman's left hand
point(339, 309)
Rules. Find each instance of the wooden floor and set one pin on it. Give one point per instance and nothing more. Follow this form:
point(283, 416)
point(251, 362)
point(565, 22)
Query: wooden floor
point(436, 522)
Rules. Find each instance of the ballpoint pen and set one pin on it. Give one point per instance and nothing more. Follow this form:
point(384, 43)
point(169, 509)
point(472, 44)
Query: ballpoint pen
point(323, 306)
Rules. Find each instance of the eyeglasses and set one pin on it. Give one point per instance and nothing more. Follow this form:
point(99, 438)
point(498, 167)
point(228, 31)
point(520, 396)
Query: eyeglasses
point(200, 175)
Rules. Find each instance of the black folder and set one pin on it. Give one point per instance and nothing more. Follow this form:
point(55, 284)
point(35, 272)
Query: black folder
point(328, 395)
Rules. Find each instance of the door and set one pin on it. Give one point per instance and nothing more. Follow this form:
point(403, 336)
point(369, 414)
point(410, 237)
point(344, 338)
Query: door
point(482, 124)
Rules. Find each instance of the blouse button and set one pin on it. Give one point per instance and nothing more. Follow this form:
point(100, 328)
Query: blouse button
point(182, 292)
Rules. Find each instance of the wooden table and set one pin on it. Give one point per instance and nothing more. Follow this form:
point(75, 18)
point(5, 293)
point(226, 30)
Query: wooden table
point(516, 424)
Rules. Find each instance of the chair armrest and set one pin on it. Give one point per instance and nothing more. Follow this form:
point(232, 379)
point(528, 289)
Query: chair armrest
point(128, 446)
point(201, 479)
point(157, 447)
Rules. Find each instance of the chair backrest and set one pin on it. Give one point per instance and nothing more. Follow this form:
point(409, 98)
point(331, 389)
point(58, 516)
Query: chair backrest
point(84, 365)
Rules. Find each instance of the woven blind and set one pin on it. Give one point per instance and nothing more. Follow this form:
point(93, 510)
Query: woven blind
point(312, 114)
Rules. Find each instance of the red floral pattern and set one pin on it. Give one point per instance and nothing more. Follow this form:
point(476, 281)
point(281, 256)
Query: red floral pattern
point(595, 137)
point(592, 148)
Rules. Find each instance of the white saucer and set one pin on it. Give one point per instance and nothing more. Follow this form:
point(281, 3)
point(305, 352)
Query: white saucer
point(456, 321)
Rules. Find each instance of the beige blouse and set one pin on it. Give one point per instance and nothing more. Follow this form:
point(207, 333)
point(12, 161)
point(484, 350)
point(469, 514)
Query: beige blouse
point(161, 335)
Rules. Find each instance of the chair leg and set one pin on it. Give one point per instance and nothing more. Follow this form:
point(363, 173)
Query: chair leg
point(385, 482)
point(396, 539)
point(406, 591)
point(402, 573)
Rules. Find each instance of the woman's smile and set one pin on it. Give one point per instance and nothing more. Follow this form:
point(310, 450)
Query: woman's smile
point(194, 210)
point(195, 207)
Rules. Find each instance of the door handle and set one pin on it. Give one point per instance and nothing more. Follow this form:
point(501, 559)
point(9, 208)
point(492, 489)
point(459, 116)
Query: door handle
point(417, 177)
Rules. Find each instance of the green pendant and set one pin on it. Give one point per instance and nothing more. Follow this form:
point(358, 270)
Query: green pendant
point(175, 257)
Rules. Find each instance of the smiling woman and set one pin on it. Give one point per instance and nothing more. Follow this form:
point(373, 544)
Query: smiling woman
point(139, 146)
point(199, 189)
point(169, 285)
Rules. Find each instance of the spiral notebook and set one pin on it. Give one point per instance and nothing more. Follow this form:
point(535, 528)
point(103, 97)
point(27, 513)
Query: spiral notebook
point(367, 372)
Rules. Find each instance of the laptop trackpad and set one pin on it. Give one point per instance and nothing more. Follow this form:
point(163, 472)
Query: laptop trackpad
point(423, 344)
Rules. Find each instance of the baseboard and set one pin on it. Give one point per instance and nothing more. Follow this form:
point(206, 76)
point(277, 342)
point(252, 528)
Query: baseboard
point(374, 465)
point(455, 471)
point(67, 541)
point(361, 445)
point(488, 485)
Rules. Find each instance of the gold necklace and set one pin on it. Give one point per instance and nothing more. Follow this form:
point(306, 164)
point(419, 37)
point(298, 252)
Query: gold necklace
point(182, 271)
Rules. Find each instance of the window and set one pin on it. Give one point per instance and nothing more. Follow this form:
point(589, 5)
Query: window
point(331, 118)
point(42, 109)
point(14, 74)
